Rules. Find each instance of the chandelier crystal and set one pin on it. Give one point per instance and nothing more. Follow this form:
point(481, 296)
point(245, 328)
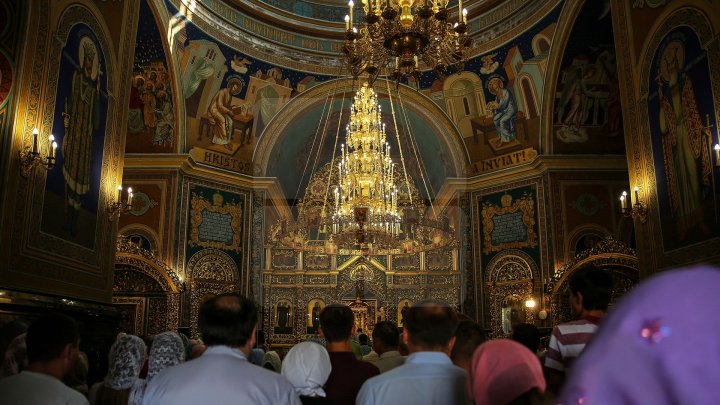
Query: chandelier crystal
point(397, 34)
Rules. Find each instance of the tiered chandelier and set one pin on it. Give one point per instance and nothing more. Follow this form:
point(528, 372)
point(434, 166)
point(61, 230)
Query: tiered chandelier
point(397, 34)
point(373, 208)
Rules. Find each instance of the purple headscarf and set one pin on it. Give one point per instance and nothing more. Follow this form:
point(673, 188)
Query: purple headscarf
point(658, 346)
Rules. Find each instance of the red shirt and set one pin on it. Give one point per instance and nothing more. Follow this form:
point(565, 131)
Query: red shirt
point(347, 376)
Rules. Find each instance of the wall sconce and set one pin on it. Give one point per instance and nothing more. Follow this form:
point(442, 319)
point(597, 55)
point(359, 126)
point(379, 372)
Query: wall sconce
point(638, 210)
point(30, 157)
point(114, 209)
point(717, 155)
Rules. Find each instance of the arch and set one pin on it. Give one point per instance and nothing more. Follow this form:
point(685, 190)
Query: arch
point(212, 265)
point(540, 44)
point(609, 254)
point(295, 109)
point(578, 233)
point(142, 230)
point(527, 86)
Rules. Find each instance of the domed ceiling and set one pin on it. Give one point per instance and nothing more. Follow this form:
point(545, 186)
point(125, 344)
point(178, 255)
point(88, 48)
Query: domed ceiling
point(315, 29)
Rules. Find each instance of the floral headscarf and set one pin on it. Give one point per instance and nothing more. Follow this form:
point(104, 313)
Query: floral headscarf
point(126, 358)
point(166, 351)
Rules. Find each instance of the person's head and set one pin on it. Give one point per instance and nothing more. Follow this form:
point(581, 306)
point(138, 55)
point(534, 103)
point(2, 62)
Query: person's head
point(271, 361)
point(336, 323)
point(386, 337)
point(502, 370)
point(468, 336)
point(13, 347)
point(363, 339)
point(430, 326)
point(125, 360)
point(167, 350)
point(590, 289)
point(228, 320)
point(77, 377)
point(53, 338)
point(527, 335)
point(307, 367)
point(658, 346)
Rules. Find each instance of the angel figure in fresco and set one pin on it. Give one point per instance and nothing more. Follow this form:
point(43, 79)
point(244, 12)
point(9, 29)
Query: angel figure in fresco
point(220, 112)
point(489, 64)
point(686, 155)
point(81, 119)
point(240, 65)
point(504, 109)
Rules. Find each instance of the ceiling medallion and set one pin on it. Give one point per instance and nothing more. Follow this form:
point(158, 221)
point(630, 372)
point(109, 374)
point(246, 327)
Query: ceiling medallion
point(396, 34)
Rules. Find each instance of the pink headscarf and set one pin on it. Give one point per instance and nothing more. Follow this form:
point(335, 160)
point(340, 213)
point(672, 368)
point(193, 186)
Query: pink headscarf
point(502, 370)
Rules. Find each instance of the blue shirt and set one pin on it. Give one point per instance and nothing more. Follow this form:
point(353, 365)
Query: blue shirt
point(425, 378)
point(222, 375)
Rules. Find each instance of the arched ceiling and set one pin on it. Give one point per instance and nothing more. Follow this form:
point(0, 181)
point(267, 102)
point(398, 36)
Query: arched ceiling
point(317, 26)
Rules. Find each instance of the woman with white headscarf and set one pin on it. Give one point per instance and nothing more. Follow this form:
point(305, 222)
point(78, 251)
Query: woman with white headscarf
point(122, 384)
point(307, 367)
point(167, 350)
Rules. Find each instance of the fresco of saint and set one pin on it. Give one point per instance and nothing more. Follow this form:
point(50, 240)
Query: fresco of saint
point(504, 109)
point(220, 112)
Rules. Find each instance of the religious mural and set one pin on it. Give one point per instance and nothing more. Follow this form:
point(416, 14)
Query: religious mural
point(73, 187)
point(315, 306)
point(588, 115)
point(283, 317)
point(684, 128)
point(151, 117)
point(8, 19)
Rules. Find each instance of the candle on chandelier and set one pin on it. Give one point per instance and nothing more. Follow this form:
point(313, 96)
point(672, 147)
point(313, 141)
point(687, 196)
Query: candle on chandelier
point(351, 4)
point(347, 22)
point(464, 15)
point(35, 140)
point(53, 146)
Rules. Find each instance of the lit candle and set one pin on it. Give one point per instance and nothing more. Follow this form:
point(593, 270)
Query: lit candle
point(351, 4)
point(53, 146)
point(637, 194)
point(464, 15)
point(347, 22)
point(717, 154)
point(623, 201)
point(35, 140)
point(119, 197)
point(130, 196)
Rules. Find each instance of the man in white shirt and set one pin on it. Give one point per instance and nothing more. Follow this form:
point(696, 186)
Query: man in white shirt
point(222, 375)
point(428, 376)
point(52, 347)
point(386, 339)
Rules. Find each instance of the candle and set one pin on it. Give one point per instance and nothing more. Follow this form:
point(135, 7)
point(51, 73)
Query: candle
point(464, 15)
point(130, 196)
point(460, 6)
point(119, 196)
point(347, 22)
point(637, 194)
point(53, 146)
point(35, 141)
point(623, 201)
point(351, 4)
point(717, 154)
point(416, 60)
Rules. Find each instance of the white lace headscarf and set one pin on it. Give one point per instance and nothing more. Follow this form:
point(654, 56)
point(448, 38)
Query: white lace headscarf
point(167, 350)
point(307, 367)
point(126, 359)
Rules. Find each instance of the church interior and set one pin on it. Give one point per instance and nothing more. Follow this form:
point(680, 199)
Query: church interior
point(156, 153)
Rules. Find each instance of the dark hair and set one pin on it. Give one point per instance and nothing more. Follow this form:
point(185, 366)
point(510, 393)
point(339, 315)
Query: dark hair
point(528, 335)
point(594, 284)
point(48, 336)
point(227, 319)
point(336, 321)
point(386, 333)
point(468, 336)
point(363, 339)
point(431, 323)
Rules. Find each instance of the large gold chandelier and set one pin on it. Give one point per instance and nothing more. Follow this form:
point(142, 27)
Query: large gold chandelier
point(397, 34)
point(370, 205)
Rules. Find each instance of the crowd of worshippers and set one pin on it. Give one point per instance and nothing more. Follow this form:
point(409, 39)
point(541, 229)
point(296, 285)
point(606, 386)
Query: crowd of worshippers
point(658, 345)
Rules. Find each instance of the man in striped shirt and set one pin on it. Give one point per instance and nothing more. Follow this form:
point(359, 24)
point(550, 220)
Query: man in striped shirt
point(590, 292)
